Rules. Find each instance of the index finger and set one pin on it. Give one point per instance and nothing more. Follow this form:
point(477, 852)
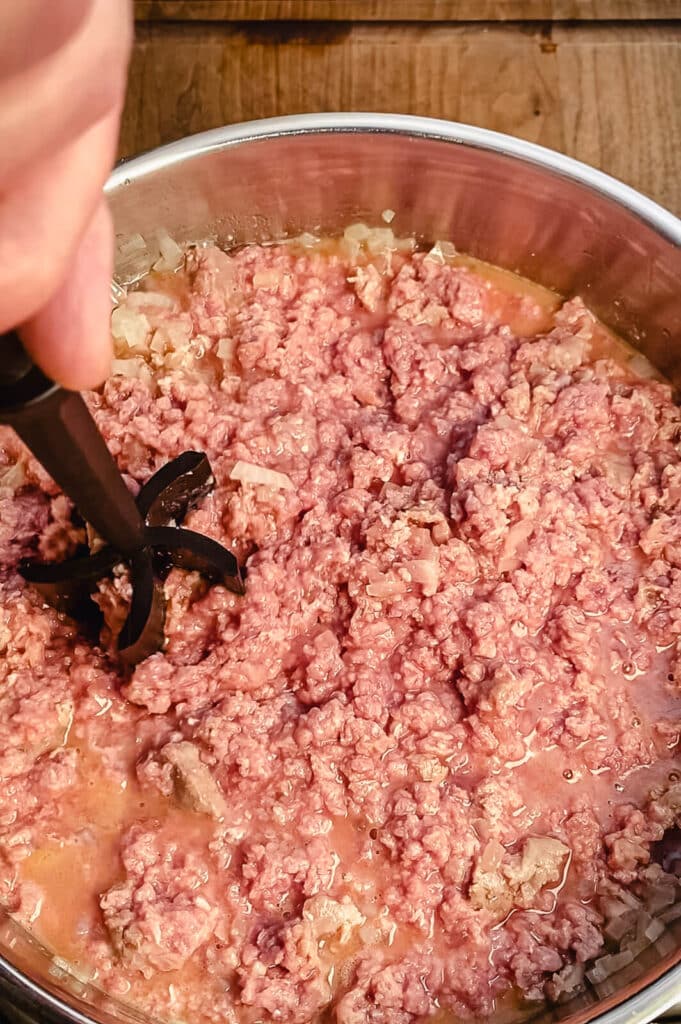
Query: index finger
point(62, 68)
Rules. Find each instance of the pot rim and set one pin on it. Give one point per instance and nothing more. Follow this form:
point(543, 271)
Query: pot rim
point(657, 997)
point(667, 224)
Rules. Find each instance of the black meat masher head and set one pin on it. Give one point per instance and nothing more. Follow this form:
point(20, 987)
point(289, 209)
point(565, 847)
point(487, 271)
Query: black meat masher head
point(142, 533)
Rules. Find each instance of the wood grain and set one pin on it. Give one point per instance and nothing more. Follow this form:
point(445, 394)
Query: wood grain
point(405, 10)
point(605, 94)
point(619, 107)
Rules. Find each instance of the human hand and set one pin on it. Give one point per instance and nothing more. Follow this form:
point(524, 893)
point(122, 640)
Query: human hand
point(63, 71)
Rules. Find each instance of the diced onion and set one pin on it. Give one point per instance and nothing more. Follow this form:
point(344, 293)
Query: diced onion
point(132, 246)
point(171, 253)
point(643, 921)
point(266, 279)
point(60, 966)
point(13, 477)
point(618, 927)
point(375, 240)
point(637, 946)
point(149, 300)
point(492, 855)
point(357, 233)
point(249, 473)
point(131, 327)
point(609, 964)
point(327, 916)
point(225, 349)
point(642, 367)
point(654, 930)
point(426, 572)
point(441, 252)
point(386, 588)
point(118, 293)
point(666, 943)
point(628, 897)
point(613, 908)
point(371, 934)
point(307, 240)
point(136, 368)
point(659, 897)
point(514, 540)
point(380, 240)
point(673, 914)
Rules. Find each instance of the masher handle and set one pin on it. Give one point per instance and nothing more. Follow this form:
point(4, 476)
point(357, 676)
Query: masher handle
point(57, 427)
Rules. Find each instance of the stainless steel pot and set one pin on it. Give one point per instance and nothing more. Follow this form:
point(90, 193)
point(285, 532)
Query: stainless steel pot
point(512, 203)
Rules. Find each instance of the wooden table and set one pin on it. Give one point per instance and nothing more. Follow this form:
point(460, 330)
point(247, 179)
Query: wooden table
point(598, 79)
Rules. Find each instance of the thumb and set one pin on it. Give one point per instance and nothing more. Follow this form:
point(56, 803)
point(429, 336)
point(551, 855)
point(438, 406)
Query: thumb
point(70, 337)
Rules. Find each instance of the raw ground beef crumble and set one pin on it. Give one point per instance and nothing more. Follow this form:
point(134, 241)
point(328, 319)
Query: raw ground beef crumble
point(424, 766)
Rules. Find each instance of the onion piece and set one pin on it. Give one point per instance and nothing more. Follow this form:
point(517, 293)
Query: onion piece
point(425, 571)
point(171, 253)
point(654, 930)
point(249, 473)
point(380, 240)
point(328, 917)
point(673, 914)
point(13, 477)
point(132, 245)
point(386, 588)
point(59, 967)
point(612, 907)
point(356, 233)
point(665, 943)
point(149, 300)
point(225, 350)
point(131, 327)
point(618, 927)
point(266, 279)
point(642, 367)
point(628, 897)
point(514, 540)
point(441, 252)
point(659, 897)
point(609, 964)
point(118, 293)
point(135, 367)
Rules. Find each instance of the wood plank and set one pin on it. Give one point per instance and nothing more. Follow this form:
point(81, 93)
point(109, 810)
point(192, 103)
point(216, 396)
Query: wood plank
point(404, 10)
point(607, 95)
point(620, 109)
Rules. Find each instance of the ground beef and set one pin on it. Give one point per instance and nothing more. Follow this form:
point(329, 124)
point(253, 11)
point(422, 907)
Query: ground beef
point(159, 915)
point(427, 764)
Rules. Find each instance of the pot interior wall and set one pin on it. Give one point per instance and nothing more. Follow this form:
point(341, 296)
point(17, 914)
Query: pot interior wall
point(509, 211)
